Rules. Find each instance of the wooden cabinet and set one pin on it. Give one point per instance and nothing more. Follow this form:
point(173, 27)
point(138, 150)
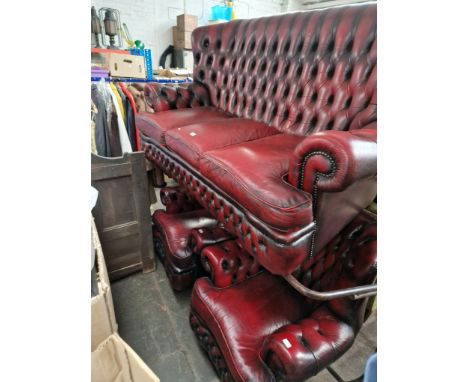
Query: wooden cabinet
point(122, 213)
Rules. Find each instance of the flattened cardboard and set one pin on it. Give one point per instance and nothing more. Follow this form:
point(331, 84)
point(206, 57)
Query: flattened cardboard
point(112, 360)
point(115, 361)
point(103, 322)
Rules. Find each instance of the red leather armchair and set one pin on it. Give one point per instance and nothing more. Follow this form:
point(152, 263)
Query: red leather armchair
point(180, 233)
point(261, 329)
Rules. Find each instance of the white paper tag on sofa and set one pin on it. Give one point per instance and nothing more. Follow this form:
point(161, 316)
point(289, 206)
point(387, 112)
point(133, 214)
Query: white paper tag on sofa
point(287, 343)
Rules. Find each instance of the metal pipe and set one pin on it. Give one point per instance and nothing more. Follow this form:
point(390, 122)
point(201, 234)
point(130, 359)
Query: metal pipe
point(354, 293)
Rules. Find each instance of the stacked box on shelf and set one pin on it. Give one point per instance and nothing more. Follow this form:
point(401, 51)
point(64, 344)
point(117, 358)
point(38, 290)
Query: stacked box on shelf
point(119, 63)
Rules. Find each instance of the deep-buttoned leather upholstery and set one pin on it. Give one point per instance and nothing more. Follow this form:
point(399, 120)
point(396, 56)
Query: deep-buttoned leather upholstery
point(175, 200)
point(228, 264)
point(261, 329)
point(291, 161)
point(180, 233)
point(301, 73)
point(171, 234)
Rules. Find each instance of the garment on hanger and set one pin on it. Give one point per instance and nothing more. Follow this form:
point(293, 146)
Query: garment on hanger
point(102, 120)
point(118, 99)
point(126, 117)
point(131, 113)
point(112, 125)
point(93, 127)
point(125, 145)
point(114, 133)
point(130, 123)
point(123, 97)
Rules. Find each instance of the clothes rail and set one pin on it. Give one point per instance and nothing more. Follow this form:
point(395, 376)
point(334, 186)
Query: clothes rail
point(158, 80)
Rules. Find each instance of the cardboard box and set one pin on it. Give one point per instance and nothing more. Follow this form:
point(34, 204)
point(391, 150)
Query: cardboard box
point(187, 22)
point(181, 39)
point(101, 57)
point(123, 65)
point(112, 360)
point(115, 361)
point(103, 322)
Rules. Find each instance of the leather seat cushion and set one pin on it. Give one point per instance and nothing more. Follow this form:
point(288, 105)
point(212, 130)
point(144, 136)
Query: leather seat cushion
point(190, 142)
point(176, 229)
point(156, 125)
point(252, 173)
point(242, 315)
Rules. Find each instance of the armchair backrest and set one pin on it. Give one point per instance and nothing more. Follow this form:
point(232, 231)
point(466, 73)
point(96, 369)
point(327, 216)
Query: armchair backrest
point(301, 72)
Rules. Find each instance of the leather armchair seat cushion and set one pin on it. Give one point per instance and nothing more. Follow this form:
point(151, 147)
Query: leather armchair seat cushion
point(190, 142)
point(156, 125)
point(253, 174)
point(241, 316)
point(176, 229)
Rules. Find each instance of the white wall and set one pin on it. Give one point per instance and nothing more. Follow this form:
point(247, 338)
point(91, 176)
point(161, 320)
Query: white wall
point(151, 20)
point(296, 5)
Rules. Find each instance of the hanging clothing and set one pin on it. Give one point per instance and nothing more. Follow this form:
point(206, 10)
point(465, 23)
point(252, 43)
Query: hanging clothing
point(102, 122)
point(93, 127)
point(138, 94)
point(124, 140)
point(131, 127)
point(123, 98)
point(114, 134)
point(112, 127)
point(118, 99)
point(130, 124)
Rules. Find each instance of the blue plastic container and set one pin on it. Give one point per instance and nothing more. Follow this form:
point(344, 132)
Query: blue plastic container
point(370, 373)
point(221, 12)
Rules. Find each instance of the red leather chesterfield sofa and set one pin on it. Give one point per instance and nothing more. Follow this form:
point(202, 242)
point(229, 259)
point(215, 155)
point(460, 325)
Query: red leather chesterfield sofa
point(276, 136)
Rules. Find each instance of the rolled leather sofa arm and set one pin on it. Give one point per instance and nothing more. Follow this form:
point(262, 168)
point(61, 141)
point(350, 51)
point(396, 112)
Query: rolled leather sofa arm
point(162, 97)
point(332, 160)
point(301, 350)
point(227, 263)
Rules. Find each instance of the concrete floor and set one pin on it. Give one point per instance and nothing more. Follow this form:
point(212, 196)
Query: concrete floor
point(153, 320)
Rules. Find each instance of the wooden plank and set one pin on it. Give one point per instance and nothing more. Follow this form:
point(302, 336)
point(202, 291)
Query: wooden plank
point(101, 172)
point(117, 231)
point(140, 186)
point(124, 271)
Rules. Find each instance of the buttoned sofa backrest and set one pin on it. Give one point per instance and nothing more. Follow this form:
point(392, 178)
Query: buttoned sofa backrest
point(301, 72)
